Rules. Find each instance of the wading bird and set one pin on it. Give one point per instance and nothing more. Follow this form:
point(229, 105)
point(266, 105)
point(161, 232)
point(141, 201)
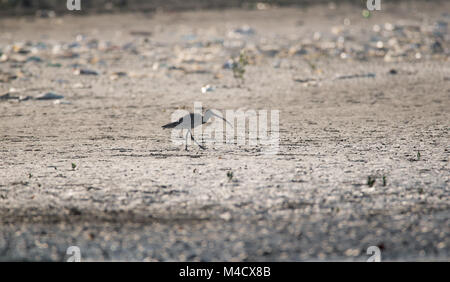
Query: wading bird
point(191, 121)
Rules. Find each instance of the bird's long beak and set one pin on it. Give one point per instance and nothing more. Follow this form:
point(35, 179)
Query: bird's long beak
point(221, 118)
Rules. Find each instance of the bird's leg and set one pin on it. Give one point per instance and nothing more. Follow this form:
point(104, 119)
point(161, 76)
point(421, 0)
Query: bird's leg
point(187, 139)
point(192, 137)
point(203, 139)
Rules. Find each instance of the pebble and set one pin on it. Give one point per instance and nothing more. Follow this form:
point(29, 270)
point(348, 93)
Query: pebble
point(49, 96)
point(85, 72)
point(208, 88)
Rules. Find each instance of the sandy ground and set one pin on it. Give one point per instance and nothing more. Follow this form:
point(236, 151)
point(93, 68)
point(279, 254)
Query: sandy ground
point(134, 195)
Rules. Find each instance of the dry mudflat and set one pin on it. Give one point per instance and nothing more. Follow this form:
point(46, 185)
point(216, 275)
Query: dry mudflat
point(360, 100)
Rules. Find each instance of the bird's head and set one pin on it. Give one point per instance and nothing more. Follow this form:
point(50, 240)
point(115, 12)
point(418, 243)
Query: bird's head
point(210, 113)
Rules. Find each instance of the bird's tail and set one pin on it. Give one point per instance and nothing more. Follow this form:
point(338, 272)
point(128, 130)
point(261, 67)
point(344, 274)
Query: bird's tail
point(171, 125)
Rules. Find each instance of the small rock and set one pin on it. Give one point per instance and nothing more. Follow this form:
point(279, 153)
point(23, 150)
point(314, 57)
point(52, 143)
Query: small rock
point(45, 14)
point(6, 77)
point(245, 30)
point(140, 33)
point(436, 47)
point(241, 31)
point(49, 96)
point(60, 102)
point(304, 80)
point(208, 88)
point(225, 216)
point(7, 96)
point(228, 64)
point(80, 85)
point(368, 75)
point(85, 72)
point(54, 65)
point(393, 71)
point(34, 59)
point(117, 75)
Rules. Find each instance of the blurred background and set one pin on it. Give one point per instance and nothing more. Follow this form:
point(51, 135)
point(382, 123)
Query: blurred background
point(24, 7)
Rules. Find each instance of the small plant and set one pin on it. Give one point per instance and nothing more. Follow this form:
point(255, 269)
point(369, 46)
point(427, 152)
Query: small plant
point(74, 166)
point(384, 180)
point(230, 175)
point(311, 65)
point(366, 14)
point(371, 181)
point(418, 155)
point(238, 66)
point(30, 175)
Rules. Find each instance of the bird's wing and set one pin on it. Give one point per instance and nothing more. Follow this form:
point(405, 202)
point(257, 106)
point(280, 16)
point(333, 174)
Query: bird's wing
point(173, 124)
